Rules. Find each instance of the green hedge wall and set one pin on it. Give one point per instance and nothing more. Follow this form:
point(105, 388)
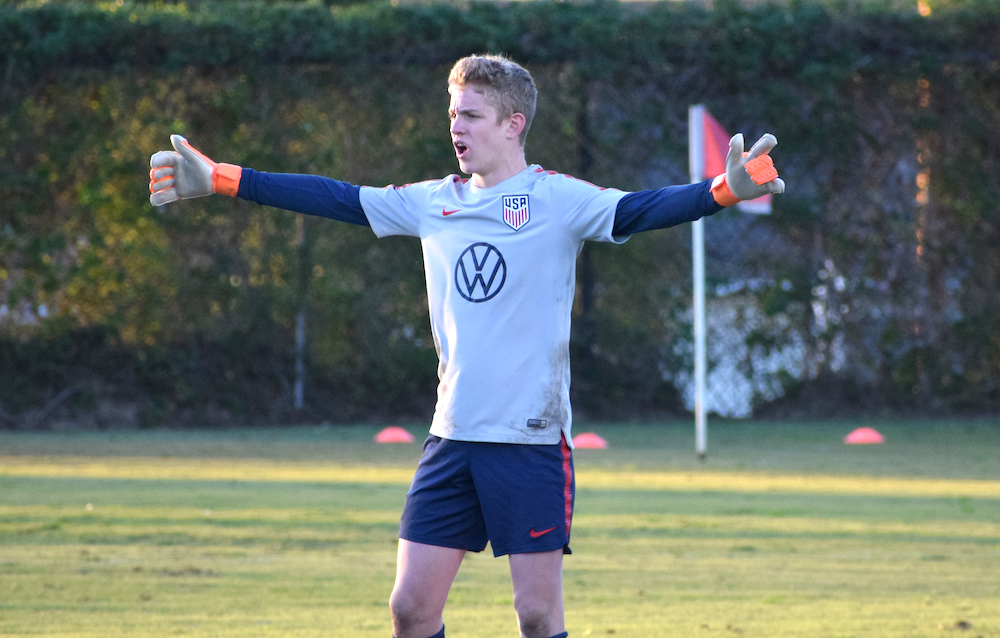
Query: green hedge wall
point(889, 138)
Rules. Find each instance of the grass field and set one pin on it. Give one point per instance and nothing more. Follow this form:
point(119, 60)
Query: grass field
point(784, 531)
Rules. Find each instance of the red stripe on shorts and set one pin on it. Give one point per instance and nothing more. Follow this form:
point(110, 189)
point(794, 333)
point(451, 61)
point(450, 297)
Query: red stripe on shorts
point(567, 455)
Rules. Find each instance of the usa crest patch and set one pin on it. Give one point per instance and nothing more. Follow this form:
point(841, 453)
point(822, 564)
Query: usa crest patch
point(515, 210)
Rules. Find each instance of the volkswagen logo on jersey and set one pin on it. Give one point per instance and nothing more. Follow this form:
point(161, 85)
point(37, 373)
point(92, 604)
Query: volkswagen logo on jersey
point(515, 210)
point(480, 272)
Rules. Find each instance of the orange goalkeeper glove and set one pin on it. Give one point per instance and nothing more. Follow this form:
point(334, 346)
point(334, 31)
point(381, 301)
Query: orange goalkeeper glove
point(186, 173)
point(748, 175)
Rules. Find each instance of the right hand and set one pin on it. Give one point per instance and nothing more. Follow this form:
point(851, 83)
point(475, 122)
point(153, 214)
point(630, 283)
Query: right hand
point(183, 173)
point(186, 173)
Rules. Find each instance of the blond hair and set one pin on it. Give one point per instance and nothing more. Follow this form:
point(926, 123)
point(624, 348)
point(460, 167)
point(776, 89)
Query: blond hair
point(505, 83)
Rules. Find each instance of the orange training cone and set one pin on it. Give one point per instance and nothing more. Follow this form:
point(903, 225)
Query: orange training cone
point(589, 441)
point(394, 434)
point(864, 436)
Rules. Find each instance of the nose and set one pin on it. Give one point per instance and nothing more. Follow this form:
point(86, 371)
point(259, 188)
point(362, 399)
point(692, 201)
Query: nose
point(455, 127)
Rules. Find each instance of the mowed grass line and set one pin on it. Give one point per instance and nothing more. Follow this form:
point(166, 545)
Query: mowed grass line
point(200, 470)
point(282, 542)
point(594, 478)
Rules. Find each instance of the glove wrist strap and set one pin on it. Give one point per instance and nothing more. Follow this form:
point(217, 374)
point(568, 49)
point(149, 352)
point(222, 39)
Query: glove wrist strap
point(721, 193)
point(226, 179)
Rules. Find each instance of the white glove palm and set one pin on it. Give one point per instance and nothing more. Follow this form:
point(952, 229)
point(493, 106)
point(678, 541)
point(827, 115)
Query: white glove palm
point(183, 173)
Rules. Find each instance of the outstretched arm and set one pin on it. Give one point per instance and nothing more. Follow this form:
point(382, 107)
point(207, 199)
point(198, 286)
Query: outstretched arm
point(309, 194)
point(186, 173)
point(664, 207)
point(748, 176)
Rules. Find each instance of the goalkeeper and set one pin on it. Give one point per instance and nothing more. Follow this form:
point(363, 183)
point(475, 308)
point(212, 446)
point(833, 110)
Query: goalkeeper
point(499, 252)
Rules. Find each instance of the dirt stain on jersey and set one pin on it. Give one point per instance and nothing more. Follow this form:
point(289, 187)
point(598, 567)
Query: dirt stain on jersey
point(556, 410)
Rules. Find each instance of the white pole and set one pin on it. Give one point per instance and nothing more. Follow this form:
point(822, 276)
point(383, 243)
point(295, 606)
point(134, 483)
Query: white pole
point(300, 360)
point(300, 319)
point(698, 257)
point(697, 163)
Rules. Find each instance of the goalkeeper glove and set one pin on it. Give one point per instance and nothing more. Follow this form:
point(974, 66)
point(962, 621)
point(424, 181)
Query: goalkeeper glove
point(748, 175)
point(186, 173)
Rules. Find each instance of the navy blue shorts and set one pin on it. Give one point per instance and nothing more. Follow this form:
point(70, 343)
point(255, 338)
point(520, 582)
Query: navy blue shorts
point(517, 497)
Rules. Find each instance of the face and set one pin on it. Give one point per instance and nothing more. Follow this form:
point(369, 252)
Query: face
point(483, 146)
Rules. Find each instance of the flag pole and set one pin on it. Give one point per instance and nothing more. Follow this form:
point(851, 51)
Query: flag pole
point(696, 155)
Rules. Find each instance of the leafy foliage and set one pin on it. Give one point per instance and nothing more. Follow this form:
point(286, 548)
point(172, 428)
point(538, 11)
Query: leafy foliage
point(885, 249)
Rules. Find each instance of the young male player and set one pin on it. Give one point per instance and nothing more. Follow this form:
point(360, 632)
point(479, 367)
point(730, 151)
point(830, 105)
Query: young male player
point(499, 253)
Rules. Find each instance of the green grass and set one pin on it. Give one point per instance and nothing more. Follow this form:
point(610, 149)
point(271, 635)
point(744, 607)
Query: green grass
point(784, 531)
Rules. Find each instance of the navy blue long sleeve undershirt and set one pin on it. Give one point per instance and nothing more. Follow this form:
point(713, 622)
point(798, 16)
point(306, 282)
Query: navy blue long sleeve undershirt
point(664, 207)
point(309, 194)
point(314, 195)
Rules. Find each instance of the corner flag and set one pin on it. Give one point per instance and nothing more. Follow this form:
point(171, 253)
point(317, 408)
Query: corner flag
point(709, 147)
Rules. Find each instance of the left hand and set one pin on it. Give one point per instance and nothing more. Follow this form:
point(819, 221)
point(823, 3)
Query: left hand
point(748, 175)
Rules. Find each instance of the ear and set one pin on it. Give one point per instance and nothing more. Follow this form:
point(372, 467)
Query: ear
point(515, 124)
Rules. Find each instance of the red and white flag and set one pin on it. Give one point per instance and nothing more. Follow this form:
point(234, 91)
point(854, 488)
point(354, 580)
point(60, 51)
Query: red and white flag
point(709, 145)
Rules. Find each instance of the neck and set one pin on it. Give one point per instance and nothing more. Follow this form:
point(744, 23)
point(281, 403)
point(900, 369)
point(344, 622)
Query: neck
point(501, 172)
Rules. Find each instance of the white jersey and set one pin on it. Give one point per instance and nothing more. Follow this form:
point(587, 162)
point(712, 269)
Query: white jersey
point(500, 265)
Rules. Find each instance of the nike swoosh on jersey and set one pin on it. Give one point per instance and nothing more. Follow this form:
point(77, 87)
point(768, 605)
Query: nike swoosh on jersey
point(446, 212)
point(535, 534)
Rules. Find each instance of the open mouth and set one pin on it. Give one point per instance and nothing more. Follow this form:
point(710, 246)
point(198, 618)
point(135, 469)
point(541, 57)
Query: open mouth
point(460, 149)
